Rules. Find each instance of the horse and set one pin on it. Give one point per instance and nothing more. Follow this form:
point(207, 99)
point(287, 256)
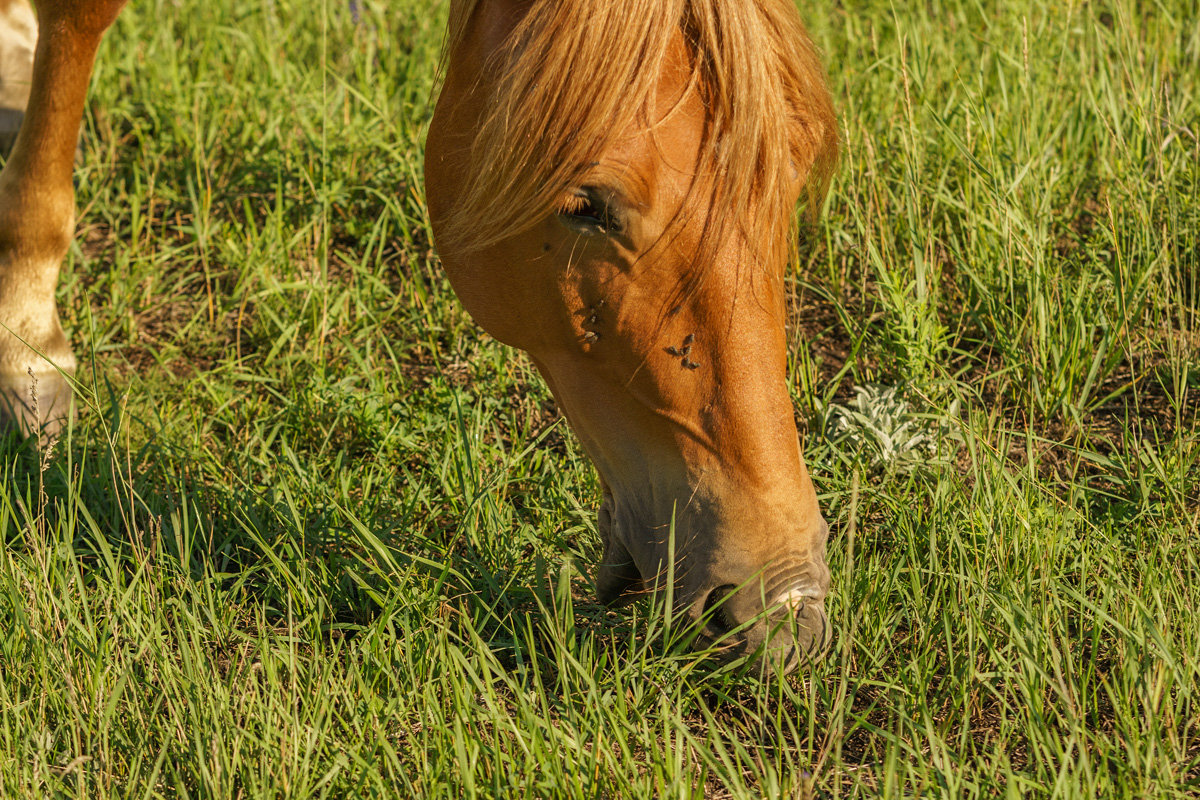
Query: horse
point(612, 188)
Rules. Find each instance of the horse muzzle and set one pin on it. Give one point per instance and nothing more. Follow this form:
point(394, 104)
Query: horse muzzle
point(779, 635)
point(770, 610)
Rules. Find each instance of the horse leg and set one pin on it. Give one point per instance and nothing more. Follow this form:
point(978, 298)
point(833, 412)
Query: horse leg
point(18, 37)
point(37, 217)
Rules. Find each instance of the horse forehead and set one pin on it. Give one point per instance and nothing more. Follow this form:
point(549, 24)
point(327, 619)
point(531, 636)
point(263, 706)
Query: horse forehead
point(675, 117)
point(664, 143)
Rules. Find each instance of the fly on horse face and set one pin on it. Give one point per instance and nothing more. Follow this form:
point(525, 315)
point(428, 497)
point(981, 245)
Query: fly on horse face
point(611, 185)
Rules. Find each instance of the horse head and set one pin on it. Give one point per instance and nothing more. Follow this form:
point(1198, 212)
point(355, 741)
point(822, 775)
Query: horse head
point(612, 187)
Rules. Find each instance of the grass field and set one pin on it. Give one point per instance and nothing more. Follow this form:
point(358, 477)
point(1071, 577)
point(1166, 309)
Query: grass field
point(315, 535)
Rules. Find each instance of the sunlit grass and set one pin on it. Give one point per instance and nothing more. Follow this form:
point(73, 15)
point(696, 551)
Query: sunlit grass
point(315, 535)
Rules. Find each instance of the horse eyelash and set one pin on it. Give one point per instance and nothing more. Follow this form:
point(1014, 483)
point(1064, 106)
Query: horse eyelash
point(573, 205)
point(581, 206)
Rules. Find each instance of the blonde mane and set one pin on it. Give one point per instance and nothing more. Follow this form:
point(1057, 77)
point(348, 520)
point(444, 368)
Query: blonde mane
point(575, 75)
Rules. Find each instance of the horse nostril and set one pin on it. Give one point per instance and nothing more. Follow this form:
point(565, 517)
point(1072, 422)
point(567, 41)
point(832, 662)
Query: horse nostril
point(718, 617)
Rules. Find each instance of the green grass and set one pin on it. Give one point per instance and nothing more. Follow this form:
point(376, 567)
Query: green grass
point(314, 535)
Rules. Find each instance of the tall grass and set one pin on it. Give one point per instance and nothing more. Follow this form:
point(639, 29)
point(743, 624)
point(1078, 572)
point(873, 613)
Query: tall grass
point(314, 535)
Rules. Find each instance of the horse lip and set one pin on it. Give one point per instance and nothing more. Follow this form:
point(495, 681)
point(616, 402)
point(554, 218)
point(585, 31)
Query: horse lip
point(794, 608)
point(794, 600)
point(618, 584)
point(618, 580)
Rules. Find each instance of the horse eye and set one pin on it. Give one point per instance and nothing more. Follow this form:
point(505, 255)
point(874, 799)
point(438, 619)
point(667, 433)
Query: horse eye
point(585, 209)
